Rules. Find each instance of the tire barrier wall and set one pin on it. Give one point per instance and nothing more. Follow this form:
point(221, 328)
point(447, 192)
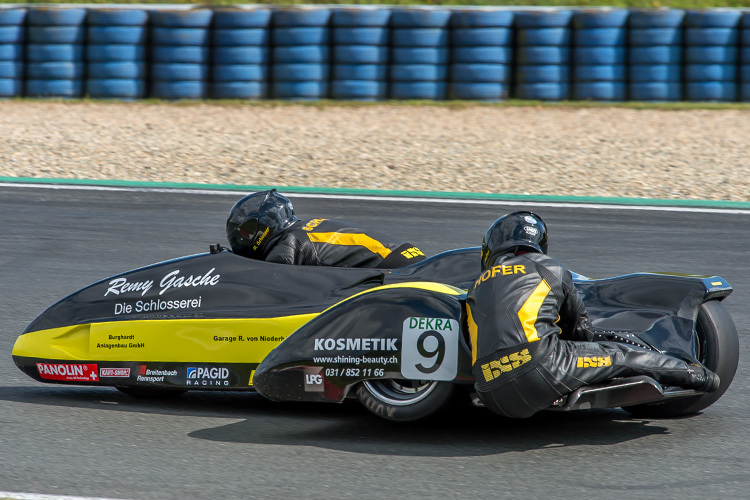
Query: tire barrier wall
point(360, 54)
point(174, 33)
point(54, 52)
point(543, 55)
point(300, 53)
point(374, 53)
point(599, 70)
point(419, 53)
point(710, 71)
point(12, 36)
point(240, 53)
point(116, 53)
point(655, 55)
point(481, 55)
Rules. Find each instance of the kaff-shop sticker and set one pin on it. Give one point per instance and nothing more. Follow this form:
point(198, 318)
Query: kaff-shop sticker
point(114, 372)
point(429, 349)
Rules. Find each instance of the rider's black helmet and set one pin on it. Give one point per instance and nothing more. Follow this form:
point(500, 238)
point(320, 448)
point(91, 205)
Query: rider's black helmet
point(255, 219)
point(521, 230)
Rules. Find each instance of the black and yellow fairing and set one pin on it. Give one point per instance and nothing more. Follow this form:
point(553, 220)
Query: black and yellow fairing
point(319, 363)
point(208, 321)
point(199, 322)
point(412, 330)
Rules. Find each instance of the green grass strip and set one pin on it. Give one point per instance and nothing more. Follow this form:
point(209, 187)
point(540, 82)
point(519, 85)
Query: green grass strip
point(681, 4)
point(450, 195)
point(449, 104)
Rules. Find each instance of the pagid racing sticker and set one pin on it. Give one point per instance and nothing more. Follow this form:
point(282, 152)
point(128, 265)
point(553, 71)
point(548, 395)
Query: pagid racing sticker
point(429, 349)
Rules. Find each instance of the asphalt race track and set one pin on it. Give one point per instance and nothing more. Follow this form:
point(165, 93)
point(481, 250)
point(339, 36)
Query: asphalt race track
point(97, 442)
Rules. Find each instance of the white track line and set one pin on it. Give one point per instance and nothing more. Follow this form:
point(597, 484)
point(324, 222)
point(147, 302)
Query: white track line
point(41, 496)
point(449, 201)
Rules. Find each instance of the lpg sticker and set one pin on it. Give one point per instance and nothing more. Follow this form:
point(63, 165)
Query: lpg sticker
point(429, 349)
point(314, 379)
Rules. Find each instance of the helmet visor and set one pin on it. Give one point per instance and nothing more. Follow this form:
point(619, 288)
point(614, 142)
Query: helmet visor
point(249, 228)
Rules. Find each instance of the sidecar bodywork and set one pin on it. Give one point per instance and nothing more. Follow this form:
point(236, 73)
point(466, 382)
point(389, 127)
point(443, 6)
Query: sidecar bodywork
point(218, 321)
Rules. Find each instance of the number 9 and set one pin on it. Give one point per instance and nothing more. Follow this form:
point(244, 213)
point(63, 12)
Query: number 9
point(438, 353)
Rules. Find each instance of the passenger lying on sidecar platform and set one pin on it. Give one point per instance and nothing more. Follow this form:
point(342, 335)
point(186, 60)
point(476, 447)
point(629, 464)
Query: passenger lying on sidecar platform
point(263, 226)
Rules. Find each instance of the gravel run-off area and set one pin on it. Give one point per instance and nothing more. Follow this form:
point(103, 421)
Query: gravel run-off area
point(612, 152)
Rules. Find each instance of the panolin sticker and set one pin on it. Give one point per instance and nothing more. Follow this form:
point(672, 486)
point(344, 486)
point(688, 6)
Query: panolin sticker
point(68, 372)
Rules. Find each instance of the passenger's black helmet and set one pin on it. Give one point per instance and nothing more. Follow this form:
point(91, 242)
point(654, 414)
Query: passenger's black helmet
point(255, 219)
point(516, 231)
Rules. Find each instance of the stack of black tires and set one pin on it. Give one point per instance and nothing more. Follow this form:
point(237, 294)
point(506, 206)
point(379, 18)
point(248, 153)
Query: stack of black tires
point(240, 53)
point(12, 36)
point(599, 55)
point(116, 53)
point(180, 53)
point(481, 54)
point(54, 52)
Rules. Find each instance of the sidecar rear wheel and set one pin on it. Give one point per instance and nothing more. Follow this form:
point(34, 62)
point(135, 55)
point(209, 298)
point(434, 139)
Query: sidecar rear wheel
point(403, 400)
point(718, 348)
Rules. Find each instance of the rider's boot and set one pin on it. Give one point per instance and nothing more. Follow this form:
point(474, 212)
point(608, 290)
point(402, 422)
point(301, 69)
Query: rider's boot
point(701, 379)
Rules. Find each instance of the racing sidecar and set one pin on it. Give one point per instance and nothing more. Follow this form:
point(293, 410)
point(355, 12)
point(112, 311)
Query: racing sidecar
point(395, 339)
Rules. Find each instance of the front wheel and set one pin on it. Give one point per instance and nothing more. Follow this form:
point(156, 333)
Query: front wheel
point(404, 400)
point(717, 346)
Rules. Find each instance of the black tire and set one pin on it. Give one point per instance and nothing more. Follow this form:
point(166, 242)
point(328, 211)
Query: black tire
point(118, 88)
point(403, 400)
point(435, 90)
point(543, 18)
point(179, 89)
point(117, 17)
point(54, 88)
point(303, 16)
point(233, 18)
point(718, 349)
point(420, 18)
point(193, 18)
point(11, 87)
point(358, 89)
point(151, 392)
point(357, 18)
point(11, 69)
point(54, 16)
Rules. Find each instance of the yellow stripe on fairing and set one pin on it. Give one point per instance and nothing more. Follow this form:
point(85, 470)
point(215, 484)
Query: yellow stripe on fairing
point(473, 333)
point(351, 239)
point(530, 310)
point(430, 286)
point(173, 340)
point(179, 340)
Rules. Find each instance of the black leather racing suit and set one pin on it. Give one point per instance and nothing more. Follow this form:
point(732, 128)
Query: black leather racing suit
point(324, 242)
point(532, 341)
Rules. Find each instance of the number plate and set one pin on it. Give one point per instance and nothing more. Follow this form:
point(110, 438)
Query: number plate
point(429, 349)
